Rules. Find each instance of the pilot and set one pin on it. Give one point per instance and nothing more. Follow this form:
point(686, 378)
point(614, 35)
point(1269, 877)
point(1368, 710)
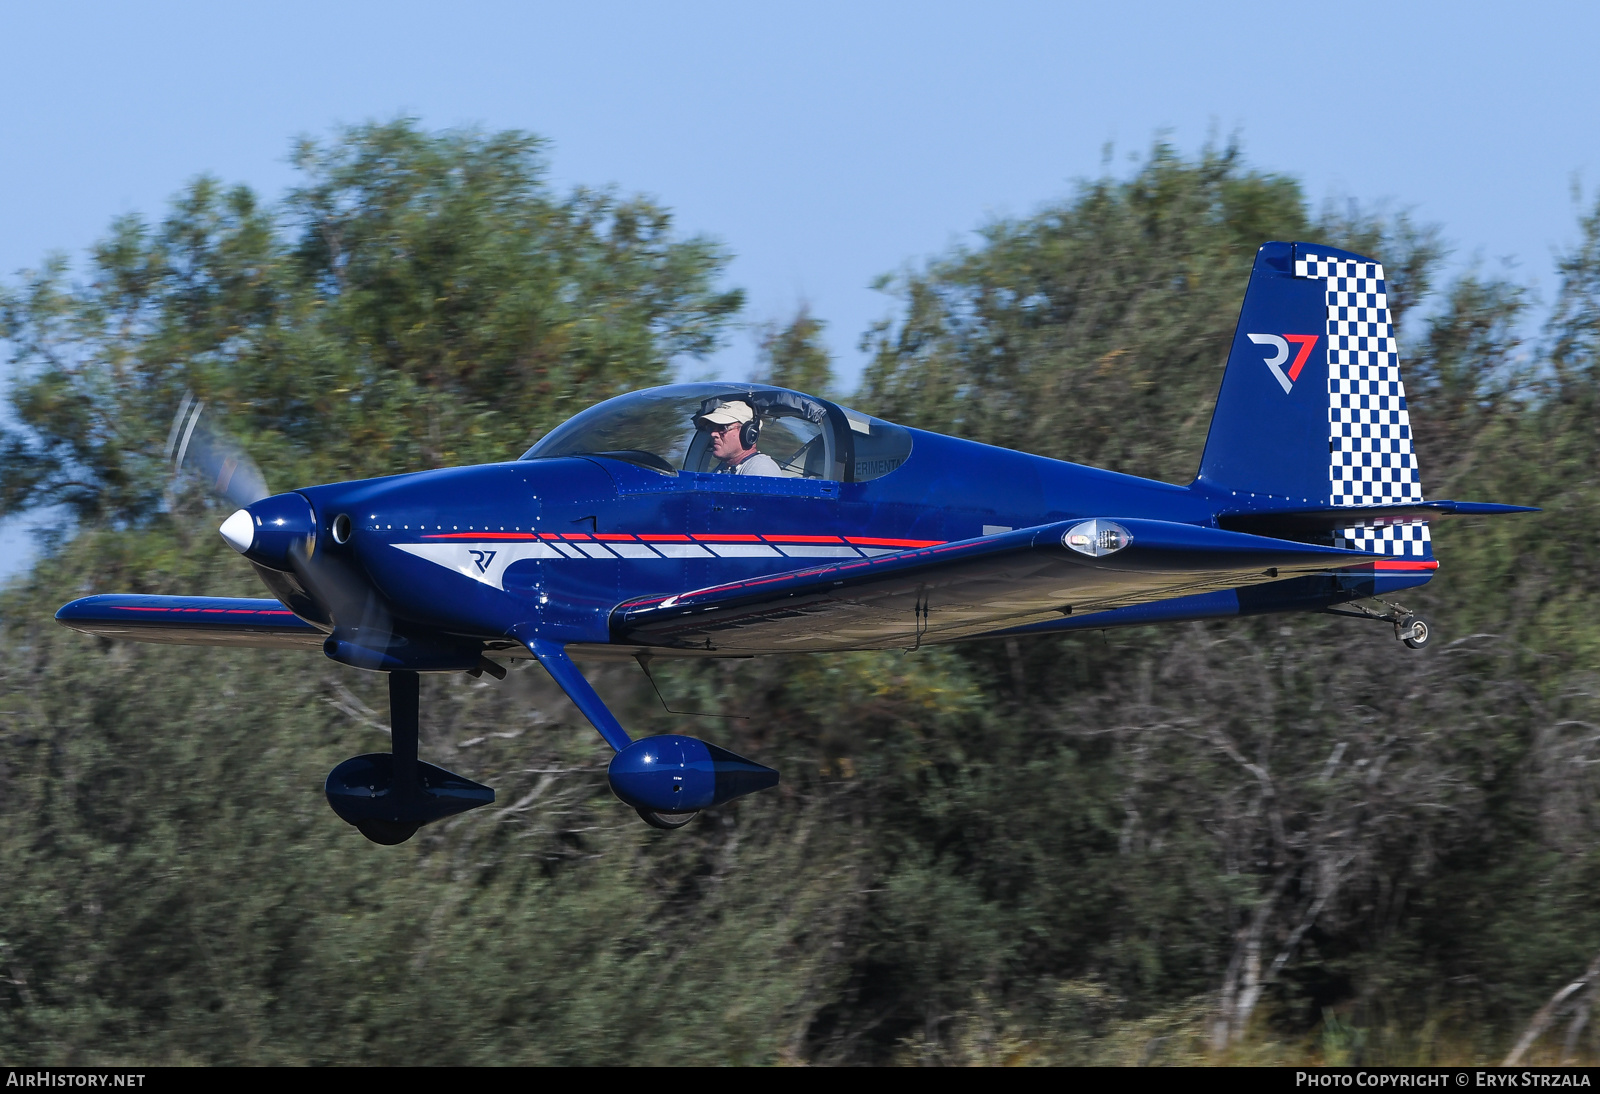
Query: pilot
point(733, 426)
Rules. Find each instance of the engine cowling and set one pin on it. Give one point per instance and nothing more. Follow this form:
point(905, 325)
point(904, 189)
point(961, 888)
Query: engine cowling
point(674, 774)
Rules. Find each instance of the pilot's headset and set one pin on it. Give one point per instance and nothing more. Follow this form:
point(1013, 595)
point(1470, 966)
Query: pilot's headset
point(751, 429)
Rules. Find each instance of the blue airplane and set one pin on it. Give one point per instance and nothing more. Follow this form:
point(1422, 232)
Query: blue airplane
point(734, 520)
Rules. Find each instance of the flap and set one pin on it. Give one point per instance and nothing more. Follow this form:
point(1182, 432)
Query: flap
point(955, 590)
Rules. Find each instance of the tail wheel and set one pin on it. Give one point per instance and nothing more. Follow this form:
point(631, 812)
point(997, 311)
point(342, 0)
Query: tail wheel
point(667, 821)
point(1414, 631)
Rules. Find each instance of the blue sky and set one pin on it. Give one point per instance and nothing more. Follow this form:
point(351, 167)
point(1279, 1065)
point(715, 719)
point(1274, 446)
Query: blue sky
point(823, 143)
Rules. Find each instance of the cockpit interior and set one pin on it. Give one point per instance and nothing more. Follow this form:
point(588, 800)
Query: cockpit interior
point(660, 429)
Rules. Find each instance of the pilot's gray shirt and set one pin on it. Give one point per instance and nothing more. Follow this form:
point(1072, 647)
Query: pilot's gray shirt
point(759, 464)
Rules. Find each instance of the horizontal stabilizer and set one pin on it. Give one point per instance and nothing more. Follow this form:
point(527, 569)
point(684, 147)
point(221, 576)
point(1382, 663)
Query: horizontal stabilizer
point(956, 590)
point(1291, 522)
point(191, 621)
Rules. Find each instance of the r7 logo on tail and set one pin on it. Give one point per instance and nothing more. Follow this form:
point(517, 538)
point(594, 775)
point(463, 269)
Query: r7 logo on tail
point(1280, 342)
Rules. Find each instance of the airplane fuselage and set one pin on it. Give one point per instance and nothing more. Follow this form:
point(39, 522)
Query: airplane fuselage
point(476, 551)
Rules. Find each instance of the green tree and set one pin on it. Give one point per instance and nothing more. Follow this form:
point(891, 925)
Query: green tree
point(1096, 329)
point(794, 355)
point(421, 300)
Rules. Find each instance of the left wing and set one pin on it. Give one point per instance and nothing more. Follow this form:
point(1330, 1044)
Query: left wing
point(191, 620)
point(956, 590)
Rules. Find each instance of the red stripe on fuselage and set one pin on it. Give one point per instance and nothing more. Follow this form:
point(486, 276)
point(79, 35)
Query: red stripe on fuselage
point(484, 535)
point(873, 541)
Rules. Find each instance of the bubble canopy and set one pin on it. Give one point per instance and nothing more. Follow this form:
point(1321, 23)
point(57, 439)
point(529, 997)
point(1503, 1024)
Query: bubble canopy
point(656, 428)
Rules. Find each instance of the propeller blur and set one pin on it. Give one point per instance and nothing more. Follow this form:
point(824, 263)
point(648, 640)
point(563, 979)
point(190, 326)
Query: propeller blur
point(193, 445)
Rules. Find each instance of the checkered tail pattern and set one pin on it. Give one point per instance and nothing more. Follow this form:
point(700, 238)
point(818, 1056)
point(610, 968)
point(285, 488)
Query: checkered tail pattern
point(1370, 460)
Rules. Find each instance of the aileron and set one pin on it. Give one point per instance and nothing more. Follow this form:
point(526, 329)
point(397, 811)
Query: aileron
point(191, 621)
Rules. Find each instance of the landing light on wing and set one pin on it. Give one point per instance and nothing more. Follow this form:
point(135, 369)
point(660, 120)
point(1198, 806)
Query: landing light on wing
point(1096, 538)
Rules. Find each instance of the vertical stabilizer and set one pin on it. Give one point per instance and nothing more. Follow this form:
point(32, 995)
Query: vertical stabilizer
point(1312, 411)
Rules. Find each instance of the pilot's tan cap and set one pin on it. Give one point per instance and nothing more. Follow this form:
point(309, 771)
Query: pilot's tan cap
point(733, 412)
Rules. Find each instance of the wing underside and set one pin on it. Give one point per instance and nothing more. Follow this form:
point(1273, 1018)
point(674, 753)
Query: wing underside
point(959, 590)
point(191, 621)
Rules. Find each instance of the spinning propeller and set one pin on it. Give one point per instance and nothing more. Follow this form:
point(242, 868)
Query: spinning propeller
point(197, 444)
point(387, 795)
point(213, 455)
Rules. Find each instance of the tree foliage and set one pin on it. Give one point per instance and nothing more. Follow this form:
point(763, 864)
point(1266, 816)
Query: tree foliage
point(1097, 328)
point(794, 355)
point(421, 300)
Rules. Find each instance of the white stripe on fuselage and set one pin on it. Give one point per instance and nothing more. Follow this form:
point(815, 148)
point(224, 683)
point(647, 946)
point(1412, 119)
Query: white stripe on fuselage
point(485, 561)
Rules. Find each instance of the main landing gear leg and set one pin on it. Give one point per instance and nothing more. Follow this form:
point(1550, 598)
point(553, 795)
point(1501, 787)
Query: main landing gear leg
point(553, 656)
point(667, 779)
point(405, 702)
point(1409, 627)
